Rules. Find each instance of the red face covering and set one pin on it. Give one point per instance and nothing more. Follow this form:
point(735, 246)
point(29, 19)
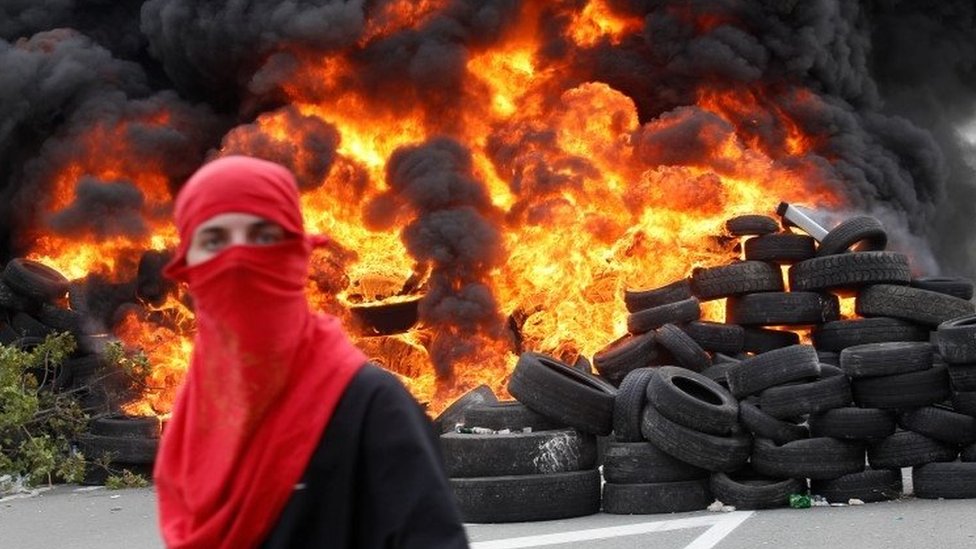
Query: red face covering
point(266, 372)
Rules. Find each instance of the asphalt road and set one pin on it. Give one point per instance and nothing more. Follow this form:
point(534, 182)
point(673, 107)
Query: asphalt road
point(96, 518)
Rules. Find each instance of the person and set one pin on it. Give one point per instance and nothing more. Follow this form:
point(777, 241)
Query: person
point(282, 434)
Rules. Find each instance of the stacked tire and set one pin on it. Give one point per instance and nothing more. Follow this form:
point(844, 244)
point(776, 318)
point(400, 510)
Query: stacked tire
point(116, 444)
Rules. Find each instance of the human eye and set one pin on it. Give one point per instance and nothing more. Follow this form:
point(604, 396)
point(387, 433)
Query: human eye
point(268, 234)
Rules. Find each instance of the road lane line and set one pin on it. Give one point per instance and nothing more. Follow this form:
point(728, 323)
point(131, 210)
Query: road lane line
point(717, 533)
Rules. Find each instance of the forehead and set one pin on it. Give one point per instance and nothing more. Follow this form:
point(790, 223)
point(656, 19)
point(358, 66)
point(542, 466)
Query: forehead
point(230, 221)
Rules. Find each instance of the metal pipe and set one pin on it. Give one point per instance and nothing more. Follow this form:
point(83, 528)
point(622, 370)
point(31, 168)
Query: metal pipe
point(796, 217)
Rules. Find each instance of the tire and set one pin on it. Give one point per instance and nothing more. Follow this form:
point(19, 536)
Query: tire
point(11, 300)
point(510, 414)
point(629, 405)
point(62, 320)
point(962, 377)
point(127, 426)
point(954, 286)
point(85, 368)
point(710, 452)
point(957, 340)
point(782, 309)
point(453, 415)
point(921, 306)
point(672, 313)
point(96, 475)
point(941, 425)
point(638, 300)
point(121, 449)
point(661, 497)
point(683, 348)
point(886, 359)
point(532, 453)
point(782, 248)
point(751, 224)
point(642, 463)
point(29, 327)
point(763, 425)
point(813, 458)
point(869, 486)
point(853, 424)
point(945, 480)
point(35, 280)
point(908, 449)
point(718, 373)
point(763, 340)
point(693, 400)
point(565, 395)
point(964, 402)
point(968, 453)
point(829, 358)
point(766, 370)
point(866, 230)
point(525, 498)
point(902, 391)
point(849, 271)
point(788, 401)
point(744, 277)
point(625, 355)
point(716, 336)
point(748, 490)
point(841, 334)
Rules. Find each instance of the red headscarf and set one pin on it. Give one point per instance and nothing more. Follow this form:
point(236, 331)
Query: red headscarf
point(266, 372)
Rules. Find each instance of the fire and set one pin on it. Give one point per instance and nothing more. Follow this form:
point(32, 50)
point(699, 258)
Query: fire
point(591, 199)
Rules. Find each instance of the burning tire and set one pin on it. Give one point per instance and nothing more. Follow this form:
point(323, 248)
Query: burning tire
point(745, 277)
point(921, 306)
point(683, 348)
point(671, 313)
point(642, 463)
point(902, 391)
point(763, 425)
point(660, 497)
point(841, 334)
point(693, 400)
point(783, 248)
point(504, 454)
point(62, 320)
point(954, 286)
point(127, 427)
point(509, 414)
point(957, 340)
point(885, 359)
point(747, 490)
point(763, 371)
point(864, 230)
point(831, 391)
point(627, 407)
point(813, 458)
point(638, 300)
point(941, 425)
point(763, 340)
point(716, 337)
point(528, 497)
point(35, 280)
point(751, 224)
point(565, 395)
point(908, 449)
point(454, 414)
point(853, 423)
point(624, 355)
point(710, 452)
point(849, 271)
point(869, 486)
point(782, 309)
point(945, 480)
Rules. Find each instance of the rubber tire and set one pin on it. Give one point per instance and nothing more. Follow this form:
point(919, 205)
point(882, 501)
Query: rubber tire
point(941, 425)
point(763, 425)
point(957, 340)
point(122, 449)
point(781, 248)
point(763, 340)
point(853, 424)
point(629, 405)
point(29, 327)
point(921, 306)
point(968, 453)
point(693, 400)
point(782, 309)
point(962, 377)
point(532, 453)
point(886, 359)
point(642, 463)
point(841, 334)
point(563, 394)
point(964, 402)
point(945, 481)
point(62, 320)
point(813, 458)
point(127, 426)
point(524, 498)
point(661, 497)
point(35, 280)
point(866, 230)
point(869, 486)
point(766, 370)
point(678, 312)
point(508, 414)
point(710, 452)
point(718, 373)
point(11, 300)
point(683, 348)
point(638, 300)
point(751, 225)
point(902, 391)
point(787, 401)
point(908, 449)
point(747, 490)
point(453, 415)
point(954, 286)
point(625, 355)
point(716, 336)
point(744, 277)
point(849, 271)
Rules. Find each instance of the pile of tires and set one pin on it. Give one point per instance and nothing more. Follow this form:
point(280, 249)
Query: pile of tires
point(116, 444)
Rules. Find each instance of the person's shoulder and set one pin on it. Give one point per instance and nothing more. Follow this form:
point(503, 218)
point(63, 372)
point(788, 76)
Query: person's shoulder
point(373, 378)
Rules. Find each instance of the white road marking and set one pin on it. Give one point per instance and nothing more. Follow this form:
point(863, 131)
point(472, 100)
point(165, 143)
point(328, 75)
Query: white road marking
point(719, 527)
